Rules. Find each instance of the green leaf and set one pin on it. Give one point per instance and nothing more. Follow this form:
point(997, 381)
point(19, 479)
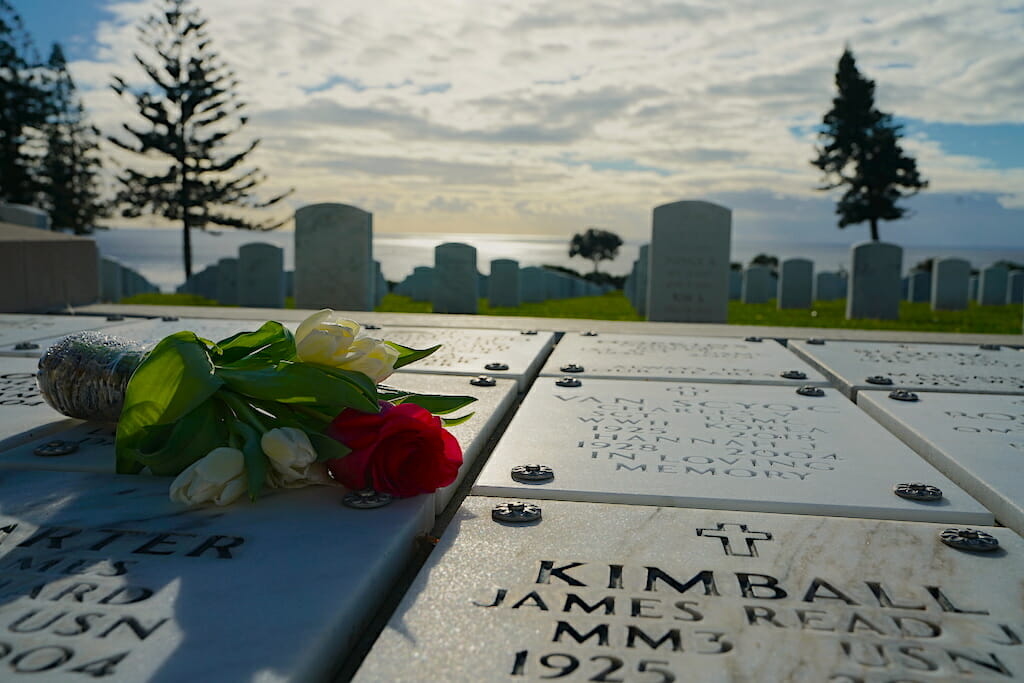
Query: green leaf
point(327, 448)
point(407, 355)
point(436, 404)
point(169, 449)
point(272, 342)
point(453, 421)
point(305, 384)
point(173, 379)
point(255, 460)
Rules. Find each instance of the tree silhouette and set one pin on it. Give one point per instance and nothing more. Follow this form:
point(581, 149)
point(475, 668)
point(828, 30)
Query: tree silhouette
point(191, 109)
point(23, 109)
point(595, 245)
point(861, 152)
point(70, 169)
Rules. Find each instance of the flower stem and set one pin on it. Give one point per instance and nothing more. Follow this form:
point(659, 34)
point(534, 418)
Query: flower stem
point(316, 414)
point(243, 411)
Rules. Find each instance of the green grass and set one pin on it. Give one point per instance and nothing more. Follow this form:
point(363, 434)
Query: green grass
point(614, 306)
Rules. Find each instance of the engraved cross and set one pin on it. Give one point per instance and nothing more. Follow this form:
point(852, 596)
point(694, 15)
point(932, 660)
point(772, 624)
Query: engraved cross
point(736, 537)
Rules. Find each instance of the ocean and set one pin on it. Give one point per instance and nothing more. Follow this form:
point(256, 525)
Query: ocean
point(156, 252)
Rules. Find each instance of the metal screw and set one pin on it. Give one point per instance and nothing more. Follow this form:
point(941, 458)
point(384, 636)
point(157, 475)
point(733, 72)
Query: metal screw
point(753, 339)
point(56, 448)
point(169, 318)
point(483, 381)
point(881, 380)
point(516, 513)
point(903, 395)
point(572, 367)
point(969, 539)
point(496, 366)
point(918, 491)
point(366, 499)
point(793, 374)
point(816, 341)
point(532, 474)
point(588, 333)
point(568, 382)
point(25, 346)
point(811, 391)
point(989, 347)
point(530, 333)
point(115, 317)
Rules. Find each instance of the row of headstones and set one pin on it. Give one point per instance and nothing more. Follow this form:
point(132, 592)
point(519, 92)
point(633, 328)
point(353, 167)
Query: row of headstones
point(118, 281)
point(994, 286)
point(508, 285)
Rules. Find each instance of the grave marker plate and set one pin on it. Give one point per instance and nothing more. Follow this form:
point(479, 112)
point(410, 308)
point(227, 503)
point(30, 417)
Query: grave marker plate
point(975, 440)
point(470, 351)
point(24, 415)
point(107, 577)
point(634, 593)
point(698, 359)
point(918, 367)
point(90, 446)
point(16, 328)
point(754, 448)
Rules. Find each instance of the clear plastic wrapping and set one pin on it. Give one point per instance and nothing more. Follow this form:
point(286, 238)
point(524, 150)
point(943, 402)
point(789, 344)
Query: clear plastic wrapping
point(85, 375)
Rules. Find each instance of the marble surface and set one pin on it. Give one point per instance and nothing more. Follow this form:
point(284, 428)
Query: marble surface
point(16, 328)
point(919, 367)
point(128, 583)
point(699, 359)
point(648, 594)
point(976, 440)
point(91, 445)
point(754, 448)
point(24, 414)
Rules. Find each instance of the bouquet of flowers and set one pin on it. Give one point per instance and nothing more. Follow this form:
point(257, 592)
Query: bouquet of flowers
point(271, 409)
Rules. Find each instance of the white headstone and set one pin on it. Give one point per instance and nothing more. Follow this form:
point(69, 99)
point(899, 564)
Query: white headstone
point(423, 283)
point(977, 441)
point(796, 283)
point(829, 287)
point(874, 290)
point(24, 415)
point(110, 281)
point(920, 286)
point(643, 272)
point(735, 285)
point(106, 577)
point(531, 285)
point(637, 593)
point(261, 275)
point(227, 282)
point(698, 359)
point(504, 283)
point(333, 253)
point(455, 279)
point(689, 263)
point(972, 288)
point(950, 284)
point(755, 448)
point(757, 284)
point(1015, 287)
point(992, 286)
point(852, 366)
point(23, 214)
point(380, 284)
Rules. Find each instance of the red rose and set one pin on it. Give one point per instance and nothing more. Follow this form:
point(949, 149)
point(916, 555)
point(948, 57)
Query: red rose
point(402, 450)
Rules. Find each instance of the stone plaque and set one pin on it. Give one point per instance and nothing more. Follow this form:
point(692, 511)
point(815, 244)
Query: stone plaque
point(17, 328)
point(75, 446)
point(474, 352)
point(755, 448)
point(698, 359)
point(493, 402)
point(975, 440)
point(920, 367)
point(24, 415)
point(105, 578)
point(597, 592)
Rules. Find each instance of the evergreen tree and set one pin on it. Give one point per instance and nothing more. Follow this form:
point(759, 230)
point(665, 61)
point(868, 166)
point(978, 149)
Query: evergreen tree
point(23, 109)
point(191, 109)
point(596, 245)
point(71, 167)
point(861, 152)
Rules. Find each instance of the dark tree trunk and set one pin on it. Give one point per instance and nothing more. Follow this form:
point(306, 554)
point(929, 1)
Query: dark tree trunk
point(874, 229)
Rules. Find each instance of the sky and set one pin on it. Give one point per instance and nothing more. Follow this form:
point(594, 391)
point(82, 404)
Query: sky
point(543, 118)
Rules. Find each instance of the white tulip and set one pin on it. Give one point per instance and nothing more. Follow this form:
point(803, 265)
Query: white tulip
point(292, 459)
point(218, 477)
point(324, 339)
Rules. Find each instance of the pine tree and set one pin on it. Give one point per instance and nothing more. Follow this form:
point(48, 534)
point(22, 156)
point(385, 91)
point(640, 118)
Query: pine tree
point(191, 108)
point(23, 109)
point(861, 151)
point(71, 167)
